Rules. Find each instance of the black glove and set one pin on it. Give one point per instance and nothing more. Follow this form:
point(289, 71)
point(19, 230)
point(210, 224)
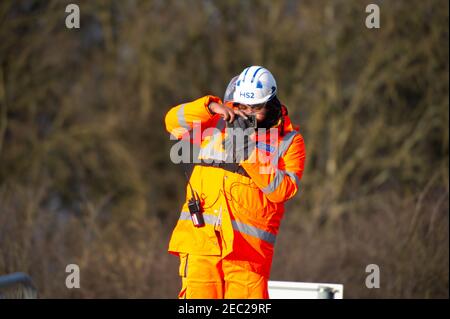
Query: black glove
point(238, 145)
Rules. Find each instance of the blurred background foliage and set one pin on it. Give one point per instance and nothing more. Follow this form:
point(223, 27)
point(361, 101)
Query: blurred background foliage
point(85, 174)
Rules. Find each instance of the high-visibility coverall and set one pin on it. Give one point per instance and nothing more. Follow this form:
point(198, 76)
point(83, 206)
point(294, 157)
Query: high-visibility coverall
point(231, 256)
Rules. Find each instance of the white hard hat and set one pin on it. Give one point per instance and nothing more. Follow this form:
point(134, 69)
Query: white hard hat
point(255, 85)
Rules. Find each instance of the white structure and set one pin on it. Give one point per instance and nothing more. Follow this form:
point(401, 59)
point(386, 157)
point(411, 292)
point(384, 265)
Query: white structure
point(304, 290)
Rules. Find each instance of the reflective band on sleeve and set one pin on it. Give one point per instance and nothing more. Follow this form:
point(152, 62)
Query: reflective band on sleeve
point(286, 142)
point(181, 118)
point(254, 232)
point(283, 146)
point(279, 175)
point(276, 181)
point(294, 177)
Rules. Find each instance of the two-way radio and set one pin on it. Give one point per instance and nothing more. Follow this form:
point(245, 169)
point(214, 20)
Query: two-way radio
point(195, 207)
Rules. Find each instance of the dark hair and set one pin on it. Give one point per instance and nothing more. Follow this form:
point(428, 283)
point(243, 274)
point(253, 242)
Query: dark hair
point(273, 113)
point(274, 103)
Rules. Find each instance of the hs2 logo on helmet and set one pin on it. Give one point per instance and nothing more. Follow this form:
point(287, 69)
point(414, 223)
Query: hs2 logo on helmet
point(247, 95)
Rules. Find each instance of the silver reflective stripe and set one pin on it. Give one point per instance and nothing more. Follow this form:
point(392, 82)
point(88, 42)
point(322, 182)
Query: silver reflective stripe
point(286, 142)
point(209, 219)
point(294, 177)
point(254, 232)
point(181, 119)
point(278, 178)
point(282, 147)
point(276, 181)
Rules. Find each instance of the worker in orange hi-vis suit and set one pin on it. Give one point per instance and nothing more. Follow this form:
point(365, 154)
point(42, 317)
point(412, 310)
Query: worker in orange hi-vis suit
point(235, 196)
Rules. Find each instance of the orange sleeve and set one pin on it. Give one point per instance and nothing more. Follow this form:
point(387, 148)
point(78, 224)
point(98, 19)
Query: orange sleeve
point(181, 119)
point(282, 182)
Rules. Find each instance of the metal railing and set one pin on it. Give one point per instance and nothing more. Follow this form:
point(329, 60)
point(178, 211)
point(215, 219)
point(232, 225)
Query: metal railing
point(17, 286)
point(304, 290)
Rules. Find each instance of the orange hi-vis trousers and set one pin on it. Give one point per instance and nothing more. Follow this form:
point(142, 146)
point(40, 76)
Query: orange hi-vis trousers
point(217, 277)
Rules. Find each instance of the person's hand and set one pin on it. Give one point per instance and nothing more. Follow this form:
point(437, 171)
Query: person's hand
point(228, 113)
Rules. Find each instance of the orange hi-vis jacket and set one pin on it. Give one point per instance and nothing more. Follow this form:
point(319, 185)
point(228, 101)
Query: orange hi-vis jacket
point(246, 211)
